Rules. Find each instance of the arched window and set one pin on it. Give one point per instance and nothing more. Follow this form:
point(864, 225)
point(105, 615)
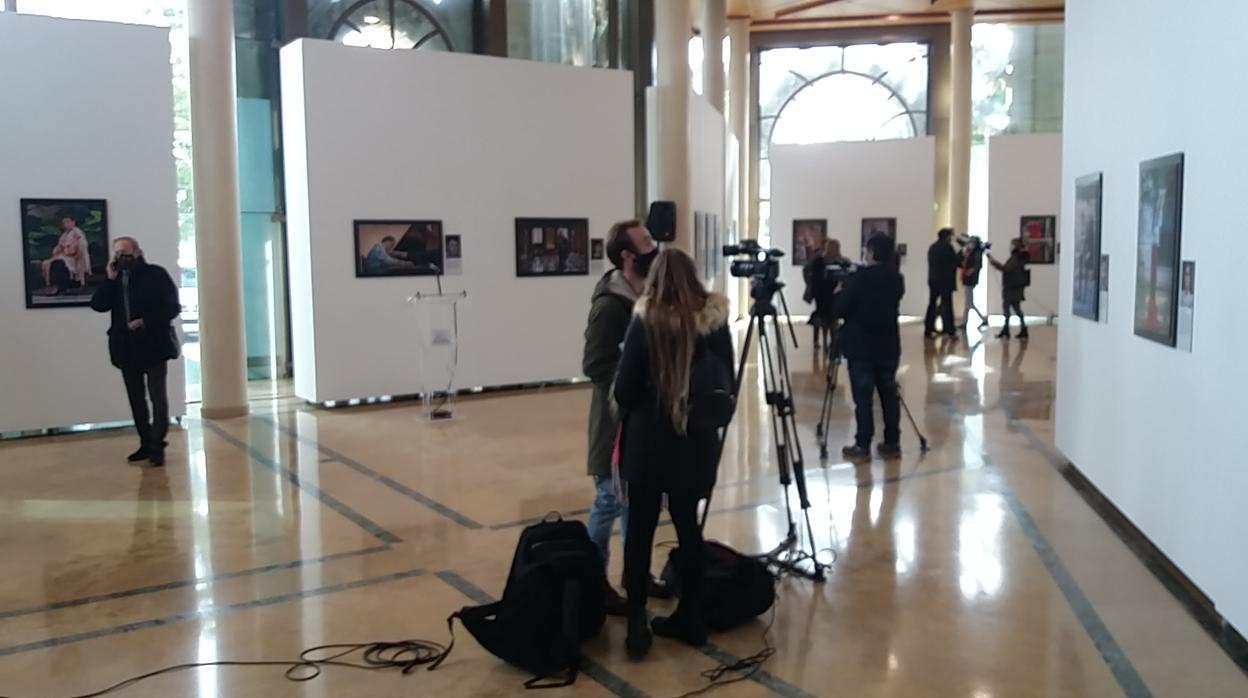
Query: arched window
point(827, 94)
point(390, 24)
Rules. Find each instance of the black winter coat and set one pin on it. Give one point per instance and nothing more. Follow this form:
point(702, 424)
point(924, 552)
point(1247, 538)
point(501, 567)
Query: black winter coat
point(652, 453)
point(870, 305)
point(942, 266)
point(154, 300)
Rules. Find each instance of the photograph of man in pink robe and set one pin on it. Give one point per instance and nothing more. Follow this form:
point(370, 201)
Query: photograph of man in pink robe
point(65, 244)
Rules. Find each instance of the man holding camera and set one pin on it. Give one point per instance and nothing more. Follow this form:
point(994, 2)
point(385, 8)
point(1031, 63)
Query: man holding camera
point(871, 343)
point(632, 251)
point(1014, 282)
point(942, 273)
point(143, 301)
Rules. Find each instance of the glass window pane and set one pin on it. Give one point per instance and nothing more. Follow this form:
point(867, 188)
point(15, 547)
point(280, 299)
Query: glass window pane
point(573, 32)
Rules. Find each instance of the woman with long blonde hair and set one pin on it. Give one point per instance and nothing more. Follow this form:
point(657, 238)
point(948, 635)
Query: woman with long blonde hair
point(679, 331)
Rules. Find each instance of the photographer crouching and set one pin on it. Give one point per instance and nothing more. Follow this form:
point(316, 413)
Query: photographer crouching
point(871, 343)
point(823, 286)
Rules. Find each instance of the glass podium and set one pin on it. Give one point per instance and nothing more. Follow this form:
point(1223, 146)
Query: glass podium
point(437, 328)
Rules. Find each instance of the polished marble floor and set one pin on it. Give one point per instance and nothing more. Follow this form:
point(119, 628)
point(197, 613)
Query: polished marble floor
point(971, 571)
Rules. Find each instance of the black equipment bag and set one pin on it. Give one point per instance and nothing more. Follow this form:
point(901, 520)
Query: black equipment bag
point(737, 590)
point(553, 601)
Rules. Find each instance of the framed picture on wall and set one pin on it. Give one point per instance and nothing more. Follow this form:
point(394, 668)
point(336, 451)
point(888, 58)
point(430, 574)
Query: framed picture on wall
point(398, 248)
point(1039, 234)
point(1157, 248)
point(877, 226)
point(552, 247)
point(65, 250)
point(808, 237)
point(1086, 294)
point(596, 249)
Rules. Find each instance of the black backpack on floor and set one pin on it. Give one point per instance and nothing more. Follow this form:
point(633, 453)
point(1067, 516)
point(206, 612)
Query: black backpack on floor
point(552, 603)
point(737, 589)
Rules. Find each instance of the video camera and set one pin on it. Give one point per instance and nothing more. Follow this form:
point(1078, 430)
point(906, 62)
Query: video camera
point(761, 265)
point(975, 243)
point(839, 271)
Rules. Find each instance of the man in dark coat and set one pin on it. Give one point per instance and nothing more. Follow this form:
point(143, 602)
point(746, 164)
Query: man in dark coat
point(143, 301)
point(942, 273)
point(1014, 281)
point(631, 250)
point(871, 343)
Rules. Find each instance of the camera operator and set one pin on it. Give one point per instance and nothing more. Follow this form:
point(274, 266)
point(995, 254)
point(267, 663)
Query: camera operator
point(871, 343)
point(972, 264)
point(942, 273)
point(1014, 281)
point(822, 288)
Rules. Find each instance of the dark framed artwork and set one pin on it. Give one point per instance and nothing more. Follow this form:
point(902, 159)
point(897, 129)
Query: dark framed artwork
point(398, 248)
point(808, 237)
point(1157, 248)
point(1039, 235)
point(65, 250)
point(1086, 296)
point(877, 226)
point(454, 247)
point(552, 247)
point(597, 249)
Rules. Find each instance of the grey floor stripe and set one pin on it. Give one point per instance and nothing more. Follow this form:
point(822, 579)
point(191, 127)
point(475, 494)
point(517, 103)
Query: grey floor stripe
point(384, 480)
point(183, 583)
point(592, 669)
point(210, 613)
point(1129, 680)
point(327, 499)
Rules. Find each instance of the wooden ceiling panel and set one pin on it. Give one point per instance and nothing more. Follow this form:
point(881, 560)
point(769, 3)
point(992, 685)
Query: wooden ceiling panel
point(849, 9)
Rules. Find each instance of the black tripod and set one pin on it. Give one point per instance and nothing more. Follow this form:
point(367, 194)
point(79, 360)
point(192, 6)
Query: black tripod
point(825, 414)
point(778, 387)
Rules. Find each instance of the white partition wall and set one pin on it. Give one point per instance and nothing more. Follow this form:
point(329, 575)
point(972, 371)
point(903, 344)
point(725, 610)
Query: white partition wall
point(846, 182)
point(88, 114)
point(469, 140)
point(1158, 431)
point(1024, 179)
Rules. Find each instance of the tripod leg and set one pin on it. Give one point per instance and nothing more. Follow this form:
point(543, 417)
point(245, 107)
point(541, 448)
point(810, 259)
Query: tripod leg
point(913, 424)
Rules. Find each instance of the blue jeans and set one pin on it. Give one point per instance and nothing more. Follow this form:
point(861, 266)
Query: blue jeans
point(602, 515)
point(866, 379)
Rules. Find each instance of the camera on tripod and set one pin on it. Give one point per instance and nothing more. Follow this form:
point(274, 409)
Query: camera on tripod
point(839, 271)
point(759, 264)
point(974, 243)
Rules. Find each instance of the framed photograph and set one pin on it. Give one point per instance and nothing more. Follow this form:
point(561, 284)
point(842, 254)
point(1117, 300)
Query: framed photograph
point(398, 248)
point(808, 238)
point(877, 226)
point(1087, 289)
point(65, 250)
point(552, 247)
point(597, 249)
point(1157, 248)
point(1038, 233)
point(454, 247)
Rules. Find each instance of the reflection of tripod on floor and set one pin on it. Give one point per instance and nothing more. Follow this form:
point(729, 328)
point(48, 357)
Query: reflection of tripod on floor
point(778, 389)
point(825, 414)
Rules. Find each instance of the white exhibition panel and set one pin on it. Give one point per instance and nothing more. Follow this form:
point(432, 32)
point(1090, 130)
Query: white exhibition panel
point(472, 141)
point(1024, 179)
point(1159, 431)
point(846, 182)
point(95, 122)
point(708, 163)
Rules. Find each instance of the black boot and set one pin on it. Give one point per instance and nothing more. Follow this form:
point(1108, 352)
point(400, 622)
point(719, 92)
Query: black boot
point(685, 624)
point(1023, 334)
point(138, 455)
point(639, 637)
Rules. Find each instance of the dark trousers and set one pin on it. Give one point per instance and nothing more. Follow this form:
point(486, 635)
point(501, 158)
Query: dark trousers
point(1015, 307)
point(866, 378)
point(644, 504)
point(940, 301)
point(140, 383)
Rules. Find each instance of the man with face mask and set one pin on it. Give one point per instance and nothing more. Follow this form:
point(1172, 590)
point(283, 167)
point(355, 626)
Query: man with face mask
point(143, 301)
point(632, 251)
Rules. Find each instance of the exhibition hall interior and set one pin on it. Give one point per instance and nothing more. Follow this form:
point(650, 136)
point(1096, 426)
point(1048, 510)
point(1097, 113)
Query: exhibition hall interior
point(645, 348)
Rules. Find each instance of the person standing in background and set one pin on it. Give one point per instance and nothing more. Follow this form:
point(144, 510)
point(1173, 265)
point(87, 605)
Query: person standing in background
point(143, 301)
point(632, 251)
point(972, 265)
point(1014, 281)
point(942, 273)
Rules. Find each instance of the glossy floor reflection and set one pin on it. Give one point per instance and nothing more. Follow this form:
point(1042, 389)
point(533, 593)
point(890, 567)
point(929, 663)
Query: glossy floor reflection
point(973, 570)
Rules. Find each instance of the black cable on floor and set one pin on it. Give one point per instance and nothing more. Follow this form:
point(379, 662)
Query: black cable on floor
point(405, 655)
point(745, 668)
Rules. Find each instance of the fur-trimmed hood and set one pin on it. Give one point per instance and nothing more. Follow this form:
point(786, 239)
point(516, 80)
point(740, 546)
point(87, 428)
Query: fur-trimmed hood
point(711, 317)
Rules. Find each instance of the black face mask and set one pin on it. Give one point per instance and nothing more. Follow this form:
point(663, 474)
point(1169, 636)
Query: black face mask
point(643, 262)
point(125, 261)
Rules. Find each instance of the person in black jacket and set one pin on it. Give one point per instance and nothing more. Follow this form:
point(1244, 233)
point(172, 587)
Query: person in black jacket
point(871, 343)
point(942, 273)
point(143, 301)
point(822, 288)
point(1014, 281)
point(676, 324)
